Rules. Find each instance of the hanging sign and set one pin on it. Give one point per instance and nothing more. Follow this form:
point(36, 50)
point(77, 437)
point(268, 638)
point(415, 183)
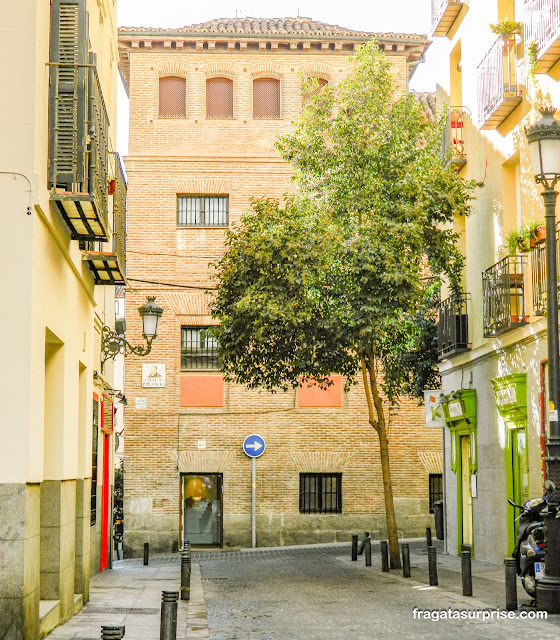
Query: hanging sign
point(434, 408)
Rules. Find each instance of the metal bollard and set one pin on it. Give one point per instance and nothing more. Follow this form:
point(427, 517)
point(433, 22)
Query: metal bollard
point(146, 553)
point(110, 632)
point(354, 546)
point(466, 572)
point(363, 543)
point(186, 575)
point(168, 628)
point(511, 584)
point(405, 560)
point(384, 555)
point(428, 536)
point(432, 566)
point(368, 552)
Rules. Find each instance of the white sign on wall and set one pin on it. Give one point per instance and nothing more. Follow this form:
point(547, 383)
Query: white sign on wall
point(434, 409)
point(153, 375)
point(141, 403)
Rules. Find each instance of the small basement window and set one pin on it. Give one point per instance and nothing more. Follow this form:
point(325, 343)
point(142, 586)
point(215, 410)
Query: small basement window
point(320, 493)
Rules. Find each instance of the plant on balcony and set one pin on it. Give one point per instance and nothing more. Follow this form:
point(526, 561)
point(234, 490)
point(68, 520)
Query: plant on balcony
point(508, 29)
point(532, 60)
point(521, 239)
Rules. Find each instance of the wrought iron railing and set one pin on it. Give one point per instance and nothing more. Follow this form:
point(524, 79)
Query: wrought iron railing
point(98, 148)
point(503, 296)
point(498, 77)
point(439, 7)
point(119, 209)
point(453, 326)
point(542, 23)
point(453, 143)
point(538, 275)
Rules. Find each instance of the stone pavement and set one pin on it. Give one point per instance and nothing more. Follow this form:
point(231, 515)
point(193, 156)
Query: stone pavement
point(300, 593)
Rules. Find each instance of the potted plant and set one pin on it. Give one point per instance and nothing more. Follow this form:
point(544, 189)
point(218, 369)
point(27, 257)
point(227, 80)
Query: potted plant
point(521, 239)
point(508, 29)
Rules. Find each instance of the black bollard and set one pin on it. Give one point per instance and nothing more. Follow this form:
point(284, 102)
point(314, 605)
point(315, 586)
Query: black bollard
point(368, 552)
point(405, 560)
point(168, 628)
point(428, 536)
point(186, 575)
point(363, 543)
point(511, 584)
point(110, 632)
point(384, 555)
point(146, 553)
point(466, 572)
point(432, 566)
point(354, 546)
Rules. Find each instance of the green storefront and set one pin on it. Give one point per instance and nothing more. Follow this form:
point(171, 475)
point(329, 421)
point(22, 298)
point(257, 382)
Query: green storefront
point(511, 399)
point(459, 410)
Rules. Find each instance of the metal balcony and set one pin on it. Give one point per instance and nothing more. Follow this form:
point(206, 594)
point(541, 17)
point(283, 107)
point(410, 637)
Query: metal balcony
point(109, 267)
point(444, 14)
point(538, 275)
point(542, 26)
point(499, 90)
point(453, 326)
point(453, 144)
point(503, 296)
point(78, 156)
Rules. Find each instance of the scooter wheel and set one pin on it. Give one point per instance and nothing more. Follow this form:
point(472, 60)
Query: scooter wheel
point(529, 583)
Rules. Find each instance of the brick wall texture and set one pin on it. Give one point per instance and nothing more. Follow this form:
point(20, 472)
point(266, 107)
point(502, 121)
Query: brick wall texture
point(237, 158)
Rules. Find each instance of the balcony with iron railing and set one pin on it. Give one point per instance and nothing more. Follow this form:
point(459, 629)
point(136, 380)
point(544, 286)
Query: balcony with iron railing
point(503, 296)
point(78, 149)
point(538, 275)
point(453, 326)
point(499, 83)
point(453, 143)
point(542, 26)
point(109, 266)
point(444, 15)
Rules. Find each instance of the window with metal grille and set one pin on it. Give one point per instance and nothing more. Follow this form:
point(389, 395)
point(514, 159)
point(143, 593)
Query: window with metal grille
point(93, 517)
point(436, 489)
point(198, 349)
point(266, 98)
point(172, 97)
point(202, 211)
point(320, 493)
point(219, 98)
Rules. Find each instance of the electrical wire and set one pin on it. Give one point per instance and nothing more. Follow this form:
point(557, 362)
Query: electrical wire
point(172, 284)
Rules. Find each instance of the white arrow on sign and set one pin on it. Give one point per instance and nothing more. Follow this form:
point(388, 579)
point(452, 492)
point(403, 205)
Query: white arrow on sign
point(254, 445)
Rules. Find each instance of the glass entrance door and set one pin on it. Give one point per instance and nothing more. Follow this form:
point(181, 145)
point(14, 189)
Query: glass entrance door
point(202, 508)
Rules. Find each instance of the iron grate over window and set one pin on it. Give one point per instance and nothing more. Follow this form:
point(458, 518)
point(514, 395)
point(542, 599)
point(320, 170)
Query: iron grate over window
point(202, 211)
point(320, 493)
point(266, 98)
point(172, 97)
point(198, 349)
point(436, 489)
point(219, 98)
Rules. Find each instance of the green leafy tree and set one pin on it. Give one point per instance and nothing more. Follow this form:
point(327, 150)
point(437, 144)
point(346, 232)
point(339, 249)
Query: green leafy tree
point(335, 279)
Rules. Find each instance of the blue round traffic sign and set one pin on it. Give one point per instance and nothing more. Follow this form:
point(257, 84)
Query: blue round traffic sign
point(254, 446)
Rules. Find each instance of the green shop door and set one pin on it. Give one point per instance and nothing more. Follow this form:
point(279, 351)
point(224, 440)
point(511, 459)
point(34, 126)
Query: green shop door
point(202, 508)
point(517, 478)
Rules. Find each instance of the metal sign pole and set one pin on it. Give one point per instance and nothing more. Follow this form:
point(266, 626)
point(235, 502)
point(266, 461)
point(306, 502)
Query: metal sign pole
point(253, 503)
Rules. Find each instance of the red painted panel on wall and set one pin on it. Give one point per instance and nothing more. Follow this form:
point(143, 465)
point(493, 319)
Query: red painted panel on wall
point(202, 391)
point(314, 396)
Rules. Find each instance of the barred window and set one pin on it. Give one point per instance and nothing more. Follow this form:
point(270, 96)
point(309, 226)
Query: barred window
point(198, 349)
point(202, 211)
point(219, 98)
point(320, 493)
point(436, 489)
point(266, 98)
point(172, 97)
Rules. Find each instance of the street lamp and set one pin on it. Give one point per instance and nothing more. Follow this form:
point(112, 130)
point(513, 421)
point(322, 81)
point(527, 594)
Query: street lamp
point(113, 343)
point(544, 143)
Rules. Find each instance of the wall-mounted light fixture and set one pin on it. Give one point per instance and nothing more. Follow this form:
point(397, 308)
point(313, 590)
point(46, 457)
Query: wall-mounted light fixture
point(114, 342)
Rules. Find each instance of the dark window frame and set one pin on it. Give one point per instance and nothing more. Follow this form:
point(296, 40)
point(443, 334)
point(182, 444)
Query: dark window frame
point(316, 497)
point(192, 361)
point(204, 211)
point(435, 489)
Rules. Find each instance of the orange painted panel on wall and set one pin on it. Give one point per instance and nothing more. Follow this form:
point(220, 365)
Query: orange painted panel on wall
point(314, 396)
point(202, 391)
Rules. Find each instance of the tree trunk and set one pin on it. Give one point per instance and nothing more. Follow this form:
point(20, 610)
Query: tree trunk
point(376, 413)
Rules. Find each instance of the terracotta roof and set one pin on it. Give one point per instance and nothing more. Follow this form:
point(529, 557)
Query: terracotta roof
point(273, 26)
point(428, 102)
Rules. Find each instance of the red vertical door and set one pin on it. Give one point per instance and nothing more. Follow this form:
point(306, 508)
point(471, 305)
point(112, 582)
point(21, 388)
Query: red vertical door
point(105, 488)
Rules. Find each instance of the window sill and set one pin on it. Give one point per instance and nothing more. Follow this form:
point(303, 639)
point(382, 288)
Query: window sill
point(203, 226)
point(226, 118)
point(199, 370)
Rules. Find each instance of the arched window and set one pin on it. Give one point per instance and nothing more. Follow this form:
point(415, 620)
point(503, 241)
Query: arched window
point(172, 97)
point(266, 98)
point(219, 98)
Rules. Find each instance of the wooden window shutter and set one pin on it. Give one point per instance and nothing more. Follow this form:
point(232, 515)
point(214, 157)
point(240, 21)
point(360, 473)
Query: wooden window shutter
point(68, 94)
point(172, 97)
point(266, 98)
point(219, 98)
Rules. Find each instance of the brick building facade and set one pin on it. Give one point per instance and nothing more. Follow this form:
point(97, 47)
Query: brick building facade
point(206, 105)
